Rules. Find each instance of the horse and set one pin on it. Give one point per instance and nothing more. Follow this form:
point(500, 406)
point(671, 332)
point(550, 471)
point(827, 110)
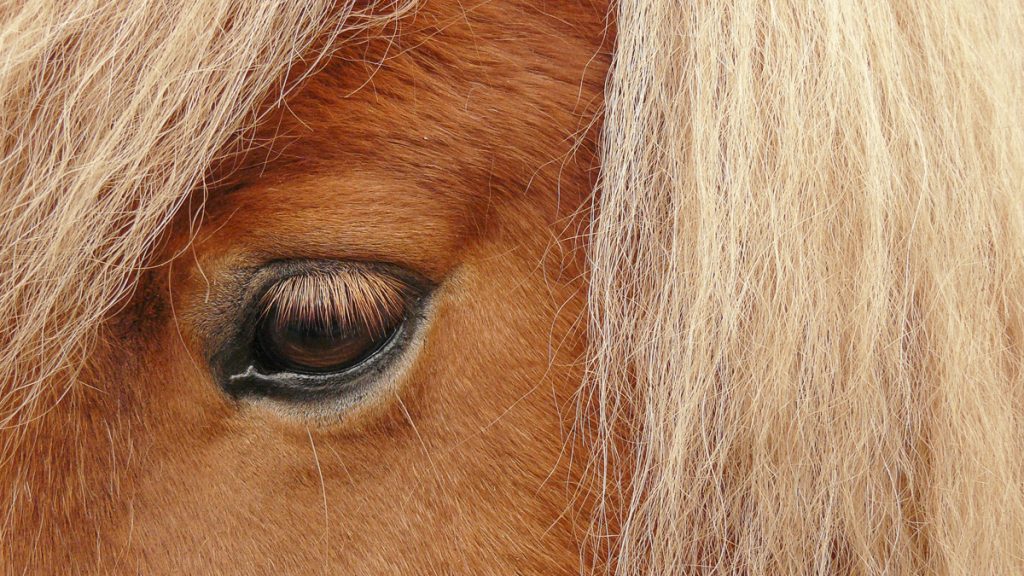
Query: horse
point(512, 287)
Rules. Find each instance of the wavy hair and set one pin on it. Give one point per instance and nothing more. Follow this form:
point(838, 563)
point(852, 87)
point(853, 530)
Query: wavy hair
point(808, 287)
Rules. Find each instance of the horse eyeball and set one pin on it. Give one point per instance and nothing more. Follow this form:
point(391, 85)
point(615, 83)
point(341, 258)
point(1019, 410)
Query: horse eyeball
point(323, 323)
point(322, 345)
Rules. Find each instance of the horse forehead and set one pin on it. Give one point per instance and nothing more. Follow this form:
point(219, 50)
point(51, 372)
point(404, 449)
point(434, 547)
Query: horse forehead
point(457, 91)
point(407, 144)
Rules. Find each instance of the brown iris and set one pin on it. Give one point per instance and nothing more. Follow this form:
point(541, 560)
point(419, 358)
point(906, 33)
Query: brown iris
point(327, 321)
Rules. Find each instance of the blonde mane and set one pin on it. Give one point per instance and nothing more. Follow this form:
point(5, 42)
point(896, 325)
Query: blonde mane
point(807, 259)
point(808, 287)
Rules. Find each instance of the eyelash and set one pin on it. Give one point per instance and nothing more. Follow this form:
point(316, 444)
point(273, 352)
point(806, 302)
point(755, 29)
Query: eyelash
point(319, 298)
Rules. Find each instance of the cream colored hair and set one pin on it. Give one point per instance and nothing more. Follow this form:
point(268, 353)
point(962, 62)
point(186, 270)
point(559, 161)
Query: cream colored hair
point(808, 286)
point(806, 260)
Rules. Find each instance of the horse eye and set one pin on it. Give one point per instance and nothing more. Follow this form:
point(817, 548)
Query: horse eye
point(323, 332)
point(323, 345)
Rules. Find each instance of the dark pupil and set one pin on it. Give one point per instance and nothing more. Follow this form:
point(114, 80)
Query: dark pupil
point(317, 347)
